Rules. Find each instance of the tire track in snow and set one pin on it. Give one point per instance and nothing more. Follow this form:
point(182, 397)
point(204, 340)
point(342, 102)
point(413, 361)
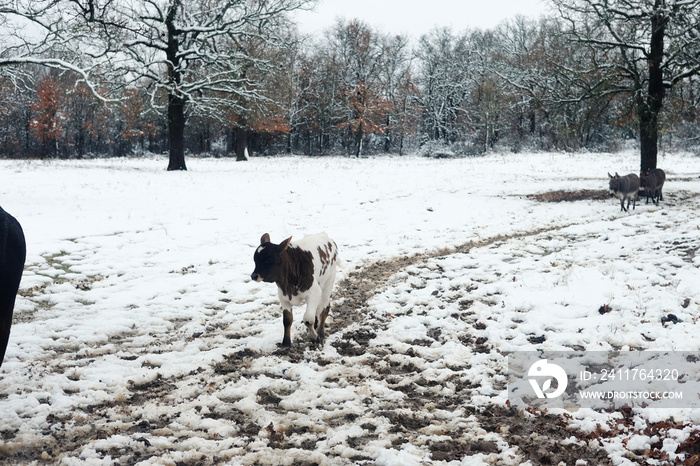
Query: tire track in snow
point(363, 283)
point(539, 439)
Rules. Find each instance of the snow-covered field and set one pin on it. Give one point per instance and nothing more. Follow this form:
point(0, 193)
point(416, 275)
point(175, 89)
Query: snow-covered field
point(139, 339)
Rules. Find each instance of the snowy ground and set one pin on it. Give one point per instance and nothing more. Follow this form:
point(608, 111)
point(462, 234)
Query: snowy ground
point(139, 339)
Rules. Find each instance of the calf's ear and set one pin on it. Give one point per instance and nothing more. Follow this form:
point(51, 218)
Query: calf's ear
point(265, 238)
point(285, 244)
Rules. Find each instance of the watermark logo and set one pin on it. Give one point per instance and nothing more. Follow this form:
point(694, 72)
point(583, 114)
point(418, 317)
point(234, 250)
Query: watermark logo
point(552, 371)
point(603, 379)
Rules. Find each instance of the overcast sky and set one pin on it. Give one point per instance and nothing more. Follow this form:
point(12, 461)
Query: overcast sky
point(416, 17)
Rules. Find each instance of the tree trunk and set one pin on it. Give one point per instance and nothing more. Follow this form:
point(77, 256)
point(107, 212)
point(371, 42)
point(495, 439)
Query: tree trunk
point(176, 133)
point(176, 103)
point(241, 143)
point(388, 136)
point(648, 138)
point(359, 139)
point(649, 118)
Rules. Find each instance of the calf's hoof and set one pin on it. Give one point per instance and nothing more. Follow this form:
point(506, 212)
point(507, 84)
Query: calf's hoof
point(310, 332)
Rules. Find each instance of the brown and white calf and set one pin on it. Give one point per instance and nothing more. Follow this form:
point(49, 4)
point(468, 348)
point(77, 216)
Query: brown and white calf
point(304, 271)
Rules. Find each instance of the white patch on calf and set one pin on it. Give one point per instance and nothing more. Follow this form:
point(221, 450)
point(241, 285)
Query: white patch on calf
point(325, 254)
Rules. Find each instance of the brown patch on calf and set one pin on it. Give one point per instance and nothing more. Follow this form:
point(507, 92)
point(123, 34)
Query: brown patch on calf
point(328, 254)
point(297, 271)
point(291, 268)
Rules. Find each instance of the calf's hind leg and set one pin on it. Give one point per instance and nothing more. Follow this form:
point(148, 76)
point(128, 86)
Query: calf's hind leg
point(321, 327)
point(313, 302)
point(325, 306)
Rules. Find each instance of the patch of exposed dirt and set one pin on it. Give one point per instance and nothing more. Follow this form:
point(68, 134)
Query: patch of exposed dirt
point(687, 247)
point(541, 438)
point(37, 294)
point(234, 362)
point(672, 197)
point(571, 196)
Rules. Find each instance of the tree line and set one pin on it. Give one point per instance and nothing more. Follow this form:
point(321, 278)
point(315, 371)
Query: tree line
point(227, 78)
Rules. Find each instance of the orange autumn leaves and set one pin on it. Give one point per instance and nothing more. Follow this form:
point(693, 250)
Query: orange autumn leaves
point(47, 122)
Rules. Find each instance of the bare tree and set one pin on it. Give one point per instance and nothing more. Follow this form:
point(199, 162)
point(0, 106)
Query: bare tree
point(51, 34)
point(356, 49)
point(195, 55)
point(641, 48)
point(444, 80)
point(535, 60)
point(398, 88)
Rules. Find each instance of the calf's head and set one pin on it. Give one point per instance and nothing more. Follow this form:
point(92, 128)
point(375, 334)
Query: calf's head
point(268, 260)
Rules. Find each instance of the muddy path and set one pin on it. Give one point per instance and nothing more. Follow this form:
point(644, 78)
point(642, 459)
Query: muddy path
point(534, 436)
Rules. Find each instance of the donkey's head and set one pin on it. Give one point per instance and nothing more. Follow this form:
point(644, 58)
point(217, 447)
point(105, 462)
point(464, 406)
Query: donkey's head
point(614, 183)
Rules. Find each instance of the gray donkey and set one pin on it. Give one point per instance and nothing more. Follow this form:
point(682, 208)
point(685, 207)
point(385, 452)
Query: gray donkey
point(652, 180)
point(625, 187)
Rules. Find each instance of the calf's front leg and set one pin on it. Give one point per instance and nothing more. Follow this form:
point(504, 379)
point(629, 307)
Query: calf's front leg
point(287, 318)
